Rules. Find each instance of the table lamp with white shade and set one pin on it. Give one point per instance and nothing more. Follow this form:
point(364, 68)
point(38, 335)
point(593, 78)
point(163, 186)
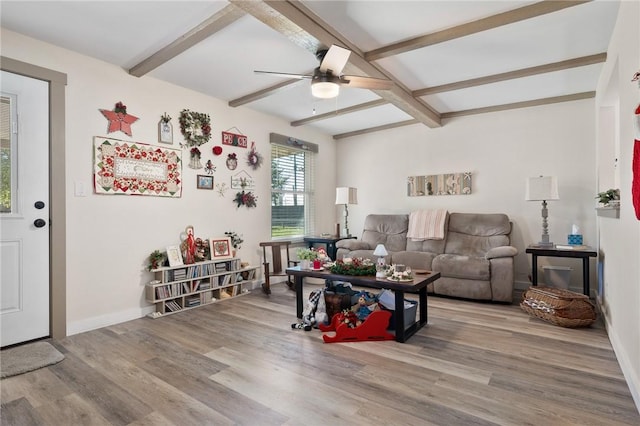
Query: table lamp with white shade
point(381, 252)
point(543, 188)
point(346, 196)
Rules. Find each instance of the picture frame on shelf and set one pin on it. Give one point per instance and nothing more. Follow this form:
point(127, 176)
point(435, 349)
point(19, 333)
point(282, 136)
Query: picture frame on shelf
point(221, 248)
point(174, 256)
point(205, 182)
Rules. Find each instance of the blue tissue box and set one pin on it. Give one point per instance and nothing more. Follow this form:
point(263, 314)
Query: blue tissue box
point(575, 239)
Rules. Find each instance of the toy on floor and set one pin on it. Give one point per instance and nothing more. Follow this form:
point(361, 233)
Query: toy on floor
point(367, 303)
point(374, 328)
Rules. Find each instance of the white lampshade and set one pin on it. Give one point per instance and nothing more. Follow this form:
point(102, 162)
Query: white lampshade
point(325, 89)
point(346, 195)
point(380, 250)
point(542, 188)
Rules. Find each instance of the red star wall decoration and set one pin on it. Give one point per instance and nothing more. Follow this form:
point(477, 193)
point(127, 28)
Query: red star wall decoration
point(119, 119)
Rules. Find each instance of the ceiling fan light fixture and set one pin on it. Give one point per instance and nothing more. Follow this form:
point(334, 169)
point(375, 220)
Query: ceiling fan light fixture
point(325, 89)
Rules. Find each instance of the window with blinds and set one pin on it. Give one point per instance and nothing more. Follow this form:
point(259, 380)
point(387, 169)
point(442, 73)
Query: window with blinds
point(292, 187)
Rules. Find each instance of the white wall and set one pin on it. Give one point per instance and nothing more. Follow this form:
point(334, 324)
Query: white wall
point(501, 150)
point(109, 237)
point(620, 238)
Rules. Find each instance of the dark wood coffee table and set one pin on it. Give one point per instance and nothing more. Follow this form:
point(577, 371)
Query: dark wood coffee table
point(418, 285)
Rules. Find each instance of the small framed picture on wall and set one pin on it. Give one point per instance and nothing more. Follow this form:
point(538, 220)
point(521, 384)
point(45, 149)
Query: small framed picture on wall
point(165, 130)
point(205, 182)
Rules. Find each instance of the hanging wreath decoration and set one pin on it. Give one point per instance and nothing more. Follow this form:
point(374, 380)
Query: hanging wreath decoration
point(195, 127)
point(254, 159)
point(246, 199)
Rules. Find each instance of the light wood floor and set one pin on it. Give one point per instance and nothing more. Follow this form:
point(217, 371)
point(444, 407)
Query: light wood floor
point(239, 362)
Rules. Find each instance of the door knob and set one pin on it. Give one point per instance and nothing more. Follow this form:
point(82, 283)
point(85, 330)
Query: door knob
point(39, 205)
point(39, 223)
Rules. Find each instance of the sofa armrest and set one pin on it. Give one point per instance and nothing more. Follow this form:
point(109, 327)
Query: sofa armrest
point(351, 244)
point(503, 251)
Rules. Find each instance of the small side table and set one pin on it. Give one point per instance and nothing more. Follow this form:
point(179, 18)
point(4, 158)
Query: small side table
point(329, 242)
point(583, 254)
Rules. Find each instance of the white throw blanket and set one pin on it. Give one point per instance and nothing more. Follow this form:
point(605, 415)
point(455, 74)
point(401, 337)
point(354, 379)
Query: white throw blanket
point(427, 225)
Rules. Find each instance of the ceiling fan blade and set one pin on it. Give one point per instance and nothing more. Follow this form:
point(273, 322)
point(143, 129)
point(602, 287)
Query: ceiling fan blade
point(366, 82)
point(335, 59)
point(283, 74)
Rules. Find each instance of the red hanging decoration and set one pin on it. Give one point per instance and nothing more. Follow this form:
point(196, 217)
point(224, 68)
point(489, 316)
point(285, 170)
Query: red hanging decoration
point(119, 120)
point(635, 185)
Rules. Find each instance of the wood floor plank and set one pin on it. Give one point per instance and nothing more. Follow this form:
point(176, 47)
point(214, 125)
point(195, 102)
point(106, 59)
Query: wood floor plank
point(239, 361)
point(114, 403)
point(39, 387)
point(19, 412)
point(73, 409)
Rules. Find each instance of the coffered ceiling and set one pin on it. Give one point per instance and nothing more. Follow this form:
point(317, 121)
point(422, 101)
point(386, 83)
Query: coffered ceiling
point(445, 58)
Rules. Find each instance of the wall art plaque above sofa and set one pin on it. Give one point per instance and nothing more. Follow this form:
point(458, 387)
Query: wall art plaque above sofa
point(445, 184)
point(134, 168)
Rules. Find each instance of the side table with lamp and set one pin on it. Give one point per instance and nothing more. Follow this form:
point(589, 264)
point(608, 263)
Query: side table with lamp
point(545, 188)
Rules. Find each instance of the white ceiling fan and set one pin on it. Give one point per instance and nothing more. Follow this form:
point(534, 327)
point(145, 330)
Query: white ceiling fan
point(327, 78)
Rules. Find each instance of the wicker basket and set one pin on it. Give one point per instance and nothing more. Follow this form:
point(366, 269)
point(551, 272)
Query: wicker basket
point(557, 306)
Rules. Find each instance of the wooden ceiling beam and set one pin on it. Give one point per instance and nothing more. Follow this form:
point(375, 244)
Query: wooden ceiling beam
point(494, 21)
point(523, 104)
point(375, 129)
point(474, 111)
point(339, 112)
point(205, 29)
point(301, 26)
point(525, 72)
point(260, 94)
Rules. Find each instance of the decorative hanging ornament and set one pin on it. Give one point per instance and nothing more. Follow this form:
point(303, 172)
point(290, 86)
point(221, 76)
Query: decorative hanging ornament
point(254, 159)
point(232, 161)
point(209, 167)
point(217, 150)
point(119, 120)
point(195, 158)
point(195, 127)
point(247, 199)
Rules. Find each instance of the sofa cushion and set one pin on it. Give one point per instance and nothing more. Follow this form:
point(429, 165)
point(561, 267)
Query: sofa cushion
point(467, 267)
point(387, 229)
point(414, 259)
point(475, 234)
point(467, 289)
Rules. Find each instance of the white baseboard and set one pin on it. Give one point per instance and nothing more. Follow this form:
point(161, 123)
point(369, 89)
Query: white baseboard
point(625, 363)
point(107, 320)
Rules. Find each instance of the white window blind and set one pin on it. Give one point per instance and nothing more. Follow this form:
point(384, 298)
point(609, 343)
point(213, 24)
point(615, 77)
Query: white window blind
point(292, 188)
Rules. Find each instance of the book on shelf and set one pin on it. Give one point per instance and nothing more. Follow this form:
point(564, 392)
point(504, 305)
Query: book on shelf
point(173, 306)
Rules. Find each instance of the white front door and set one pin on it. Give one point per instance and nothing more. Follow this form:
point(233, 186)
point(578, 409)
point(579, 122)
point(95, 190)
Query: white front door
point(24, 209)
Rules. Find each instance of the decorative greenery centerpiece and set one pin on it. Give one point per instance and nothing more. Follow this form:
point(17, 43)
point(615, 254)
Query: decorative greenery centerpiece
point(356, 266)
point(236, 239)
point(609, 197)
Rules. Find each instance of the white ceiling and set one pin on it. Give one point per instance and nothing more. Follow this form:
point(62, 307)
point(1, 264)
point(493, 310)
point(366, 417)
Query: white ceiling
point(125, 33)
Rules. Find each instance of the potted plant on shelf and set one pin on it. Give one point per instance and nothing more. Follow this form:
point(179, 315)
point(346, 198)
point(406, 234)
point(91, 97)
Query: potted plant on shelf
point(236, 241)
point(610, 197)
point(305, 256)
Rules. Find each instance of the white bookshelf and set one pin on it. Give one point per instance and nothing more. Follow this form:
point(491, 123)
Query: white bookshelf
point(178, 288)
